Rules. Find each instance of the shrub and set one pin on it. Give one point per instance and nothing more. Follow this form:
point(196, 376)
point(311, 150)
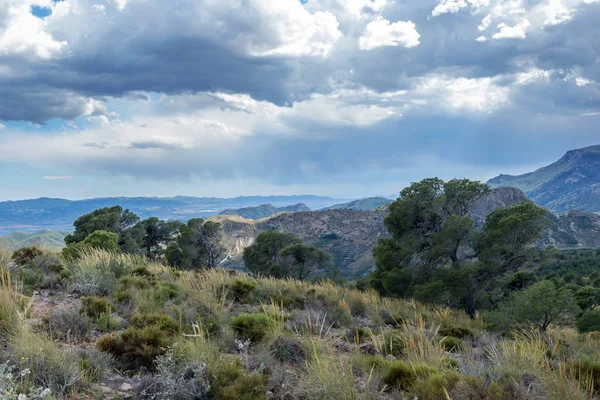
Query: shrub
point(242, 290)
point(357, 304)
point(68, 324)
point(166, 291)
point(30, 277)
point(141, 271)
point(160, 320)
point(356, 335)
point(393, 343)
point(107, 323)
point(402, 376)
point(589, 321)
point(452, 343)
point(93, 282)
point(287, 350)
point(25, 255)
point(175, 380)
point(587, 371)
point(392, 319)
point(457, 331)
point(46, 364)
point(134, 348)
point(231, 382)
point(122, 296)
point(338, 315)
point(133, 282)
point(435, 386)
point(95, 306)
point(252, 326)
point(93, 364)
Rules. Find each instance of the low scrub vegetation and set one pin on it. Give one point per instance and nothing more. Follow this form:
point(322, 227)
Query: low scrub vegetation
point(214, 334)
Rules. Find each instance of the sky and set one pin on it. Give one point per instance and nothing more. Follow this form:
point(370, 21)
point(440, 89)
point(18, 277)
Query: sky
point(346, 98)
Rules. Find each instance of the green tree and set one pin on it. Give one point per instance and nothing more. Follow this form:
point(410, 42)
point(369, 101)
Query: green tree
point(201, 244)
point(588, 297)
point(589, 321)
point(98, 239)
point(429, 225)
point(109, 219)
point(302, 260)
point(264, 256)
point(540, 305)
point(154, 235)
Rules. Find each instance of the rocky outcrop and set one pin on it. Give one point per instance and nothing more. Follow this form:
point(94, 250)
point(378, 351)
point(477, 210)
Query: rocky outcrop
point(349, 235)
point(497, 198)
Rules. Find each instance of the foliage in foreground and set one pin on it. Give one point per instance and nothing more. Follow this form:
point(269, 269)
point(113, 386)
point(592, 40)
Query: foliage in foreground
point(219, 335)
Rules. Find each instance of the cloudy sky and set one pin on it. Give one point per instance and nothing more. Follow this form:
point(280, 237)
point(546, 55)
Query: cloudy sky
point(348, 98)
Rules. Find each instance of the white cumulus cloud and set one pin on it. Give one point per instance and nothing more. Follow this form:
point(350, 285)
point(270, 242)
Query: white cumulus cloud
point(518, 31)
point(382, 32)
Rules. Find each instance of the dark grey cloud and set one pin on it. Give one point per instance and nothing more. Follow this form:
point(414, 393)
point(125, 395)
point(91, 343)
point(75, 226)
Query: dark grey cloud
point(303, 114)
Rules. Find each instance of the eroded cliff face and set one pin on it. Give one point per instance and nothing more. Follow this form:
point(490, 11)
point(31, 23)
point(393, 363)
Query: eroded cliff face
point(350, 235)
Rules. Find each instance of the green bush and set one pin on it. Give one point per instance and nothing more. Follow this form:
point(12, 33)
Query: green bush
point(160, 320)
point(393, 344)
point(587, 371)
point(95, 306)
point(94, 364)
point(231, 382)
point(166, 291)
point(457, 331)
point(287, 350)
point(403, 376)
point(589, 321)
point(452, 343)
point(252, 326)
point(30, 277)
point(242, 291)
point(25, 255)
point(107, 323)
point(133, 282)
point(435, 386)
point(135, 348)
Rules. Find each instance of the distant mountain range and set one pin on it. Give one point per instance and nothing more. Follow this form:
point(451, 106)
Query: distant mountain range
point(264, 211)
point(573, 182)
point(51, 240)
point(59, 214)
point(370, 203)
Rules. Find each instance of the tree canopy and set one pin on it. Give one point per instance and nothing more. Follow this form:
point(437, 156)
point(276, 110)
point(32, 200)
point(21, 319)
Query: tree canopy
point(436, 254)
point(281, 254)
point(264, 256)
point(109, 219)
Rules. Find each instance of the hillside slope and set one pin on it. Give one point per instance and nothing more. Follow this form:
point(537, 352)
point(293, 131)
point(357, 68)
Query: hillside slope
point(50, 240)
point(349, 235)
point(573, 182)
point(264, 211)
point(370, 203)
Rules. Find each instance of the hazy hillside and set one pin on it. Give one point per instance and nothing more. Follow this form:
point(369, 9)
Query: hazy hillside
point(51, 240)
point(59, 214)
point(264, 211)
point(370, 203)
point(573, 182)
